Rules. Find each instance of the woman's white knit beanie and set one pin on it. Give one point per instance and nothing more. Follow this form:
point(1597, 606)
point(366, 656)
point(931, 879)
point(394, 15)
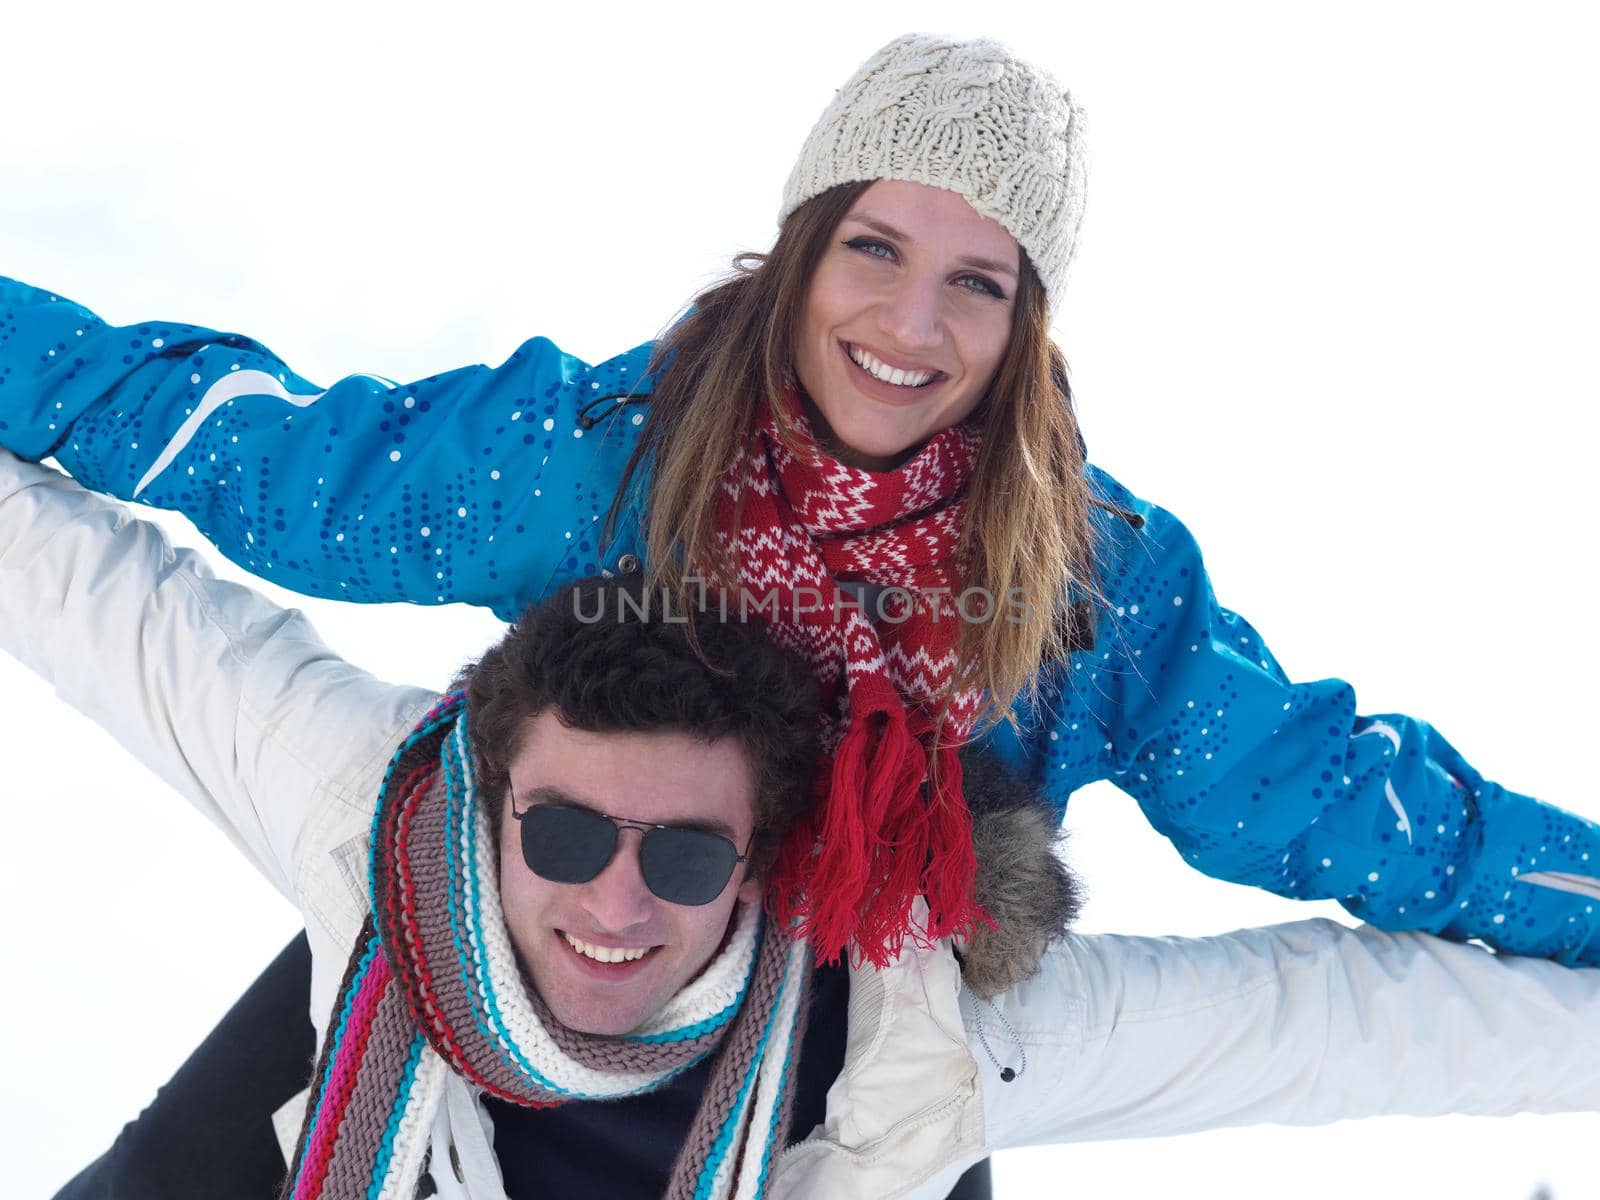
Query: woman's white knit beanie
point(964, 115)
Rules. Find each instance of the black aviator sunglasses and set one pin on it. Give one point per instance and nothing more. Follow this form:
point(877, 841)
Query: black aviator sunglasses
point(567, 844)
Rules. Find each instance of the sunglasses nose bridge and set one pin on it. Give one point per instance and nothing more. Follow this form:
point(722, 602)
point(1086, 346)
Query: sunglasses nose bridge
point(618, 894)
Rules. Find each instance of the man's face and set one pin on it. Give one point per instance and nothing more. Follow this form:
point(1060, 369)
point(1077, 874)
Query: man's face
point(665, 778)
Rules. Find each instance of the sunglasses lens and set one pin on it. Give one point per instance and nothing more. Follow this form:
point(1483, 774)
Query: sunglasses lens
point(566, 845)
point(686, 866)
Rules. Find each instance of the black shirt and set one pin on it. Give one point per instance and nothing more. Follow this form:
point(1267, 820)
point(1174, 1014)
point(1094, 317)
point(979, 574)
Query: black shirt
point(595, 1148)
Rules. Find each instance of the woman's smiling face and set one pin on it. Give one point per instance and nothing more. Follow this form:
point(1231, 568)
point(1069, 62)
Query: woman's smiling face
point(906, 321)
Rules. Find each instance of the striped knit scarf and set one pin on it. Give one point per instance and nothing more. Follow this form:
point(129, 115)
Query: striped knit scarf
point(433, 987)
point(796, 525)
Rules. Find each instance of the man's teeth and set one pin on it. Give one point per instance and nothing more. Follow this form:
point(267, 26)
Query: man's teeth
point(606, 954)
point(882, 370)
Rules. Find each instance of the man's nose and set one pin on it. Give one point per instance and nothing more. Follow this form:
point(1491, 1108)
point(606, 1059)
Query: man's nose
point(617, 898)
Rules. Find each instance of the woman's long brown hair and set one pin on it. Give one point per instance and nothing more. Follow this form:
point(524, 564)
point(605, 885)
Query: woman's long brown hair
point(1026, 540)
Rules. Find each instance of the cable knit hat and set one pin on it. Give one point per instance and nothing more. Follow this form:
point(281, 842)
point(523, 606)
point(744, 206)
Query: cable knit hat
point(964, 115)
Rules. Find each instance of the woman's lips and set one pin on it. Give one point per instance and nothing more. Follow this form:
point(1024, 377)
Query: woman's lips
point(891, 393)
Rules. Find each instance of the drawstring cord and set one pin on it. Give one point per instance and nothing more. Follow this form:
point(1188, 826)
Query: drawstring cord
point(1007, 1074)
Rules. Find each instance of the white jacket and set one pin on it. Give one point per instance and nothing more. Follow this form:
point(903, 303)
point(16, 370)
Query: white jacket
point(239, 705)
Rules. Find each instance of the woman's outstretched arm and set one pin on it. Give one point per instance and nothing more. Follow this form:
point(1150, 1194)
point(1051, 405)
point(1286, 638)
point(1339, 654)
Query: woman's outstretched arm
point(484, 485)
point(1284, 785)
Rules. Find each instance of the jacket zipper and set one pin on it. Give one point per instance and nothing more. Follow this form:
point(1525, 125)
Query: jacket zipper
point(615, 402)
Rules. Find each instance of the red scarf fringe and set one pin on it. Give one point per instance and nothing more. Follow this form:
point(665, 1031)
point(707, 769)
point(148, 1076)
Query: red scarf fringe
point(879, 832)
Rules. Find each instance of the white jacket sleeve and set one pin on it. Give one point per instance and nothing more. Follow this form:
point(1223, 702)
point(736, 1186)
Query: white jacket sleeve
point(232, 700)
point(1298, 1024)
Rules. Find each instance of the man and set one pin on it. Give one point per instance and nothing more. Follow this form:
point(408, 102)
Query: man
point(425, 947)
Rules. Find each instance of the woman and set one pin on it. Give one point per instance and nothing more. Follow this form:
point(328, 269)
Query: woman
point(1146, 680)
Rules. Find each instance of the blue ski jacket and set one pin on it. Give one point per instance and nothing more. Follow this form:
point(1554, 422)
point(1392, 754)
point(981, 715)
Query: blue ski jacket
point(491, 485)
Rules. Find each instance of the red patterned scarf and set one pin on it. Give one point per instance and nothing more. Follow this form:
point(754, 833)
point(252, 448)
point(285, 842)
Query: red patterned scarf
point(879, 832)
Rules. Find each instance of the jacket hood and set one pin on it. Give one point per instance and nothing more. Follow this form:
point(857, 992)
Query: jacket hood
point(1022, 881)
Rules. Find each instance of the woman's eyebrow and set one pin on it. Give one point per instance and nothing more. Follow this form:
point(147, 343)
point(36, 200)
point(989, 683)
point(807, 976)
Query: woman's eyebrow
point(969, 260)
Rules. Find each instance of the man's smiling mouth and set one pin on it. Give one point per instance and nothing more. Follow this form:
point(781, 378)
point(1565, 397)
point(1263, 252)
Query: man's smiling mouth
point(606, 954)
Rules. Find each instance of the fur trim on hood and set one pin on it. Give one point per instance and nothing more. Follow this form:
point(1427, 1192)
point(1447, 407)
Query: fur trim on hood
point(1022, 881)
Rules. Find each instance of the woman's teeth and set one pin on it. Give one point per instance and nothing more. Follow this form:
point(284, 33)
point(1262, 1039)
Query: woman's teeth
point(882, 370)
point(605, 954)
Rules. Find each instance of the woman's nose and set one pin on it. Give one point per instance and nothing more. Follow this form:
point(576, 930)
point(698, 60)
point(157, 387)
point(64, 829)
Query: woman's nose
point(910, 315)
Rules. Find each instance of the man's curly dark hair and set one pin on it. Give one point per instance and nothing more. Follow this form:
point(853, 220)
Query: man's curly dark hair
point(608, 657)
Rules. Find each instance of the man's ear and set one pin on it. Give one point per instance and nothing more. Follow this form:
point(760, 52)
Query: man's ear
point(751, 889)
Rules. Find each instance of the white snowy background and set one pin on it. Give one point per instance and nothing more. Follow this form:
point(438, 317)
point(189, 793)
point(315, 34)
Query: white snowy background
point(1335, 304)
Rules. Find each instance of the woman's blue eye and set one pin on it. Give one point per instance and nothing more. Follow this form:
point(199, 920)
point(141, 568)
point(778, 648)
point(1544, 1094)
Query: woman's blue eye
point(870, 246)
point(987, 287)
point(883, 251)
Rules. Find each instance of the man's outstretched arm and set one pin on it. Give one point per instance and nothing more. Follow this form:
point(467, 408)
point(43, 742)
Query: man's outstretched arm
point(1299, 1024)
point(234, 701)
point(1133, 1037)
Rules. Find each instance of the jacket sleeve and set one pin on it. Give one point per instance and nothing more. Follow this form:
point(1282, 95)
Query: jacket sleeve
point(1300, 1024)
point(1284, 785)
point(233, 701)
point(480, 485)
